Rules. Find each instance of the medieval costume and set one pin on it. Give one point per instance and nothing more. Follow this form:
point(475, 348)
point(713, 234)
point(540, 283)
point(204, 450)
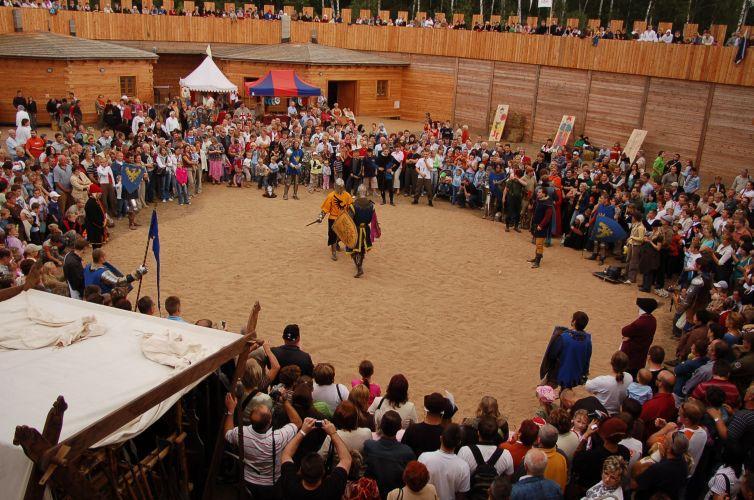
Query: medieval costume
point(567, 358)
point(109, 279)
point(540, 225)
point(95, 218)
point(638, 335)
point(363, 214)
point(336, 203)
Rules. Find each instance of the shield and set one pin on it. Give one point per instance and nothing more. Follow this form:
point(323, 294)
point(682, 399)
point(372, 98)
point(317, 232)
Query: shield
point(345, 229)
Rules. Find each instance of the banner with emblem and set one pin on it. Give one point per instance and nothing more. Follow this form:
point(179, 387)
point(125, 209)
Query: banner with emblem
point(564, 131)
point(608, 230)
point(131, 176)
point(498, 124)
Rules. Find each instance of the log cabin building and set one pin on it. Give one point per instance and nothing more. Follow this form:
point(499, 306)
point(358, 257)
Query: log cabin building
point(44, 65)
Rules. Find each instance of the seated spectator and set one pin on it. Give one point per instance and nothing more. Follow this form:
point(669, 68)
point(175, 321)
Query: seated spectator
point(326, 391)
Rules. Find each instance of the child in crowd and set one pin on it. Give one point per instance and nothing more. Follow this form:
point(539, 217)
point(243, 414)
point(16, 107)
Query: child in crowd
point(315, 173)
point(121, 203)
point(640, 390)
point(274, 166)
point(247, 167)
point(238, 173)
point(326, 173)
point(366, 370)
point(580, 422)
point(181, 178)
point(455, 184)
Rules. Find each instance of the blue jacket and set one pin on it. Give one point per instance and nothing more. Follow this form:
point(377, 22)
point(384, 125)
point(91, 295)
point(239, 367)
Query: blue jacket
point(533, 487)
point(574, 351)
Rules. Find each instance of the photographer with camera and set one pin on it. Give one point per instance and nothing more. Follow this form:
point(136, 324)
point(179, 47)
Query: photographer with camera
point(309, 482)
point(263, 445)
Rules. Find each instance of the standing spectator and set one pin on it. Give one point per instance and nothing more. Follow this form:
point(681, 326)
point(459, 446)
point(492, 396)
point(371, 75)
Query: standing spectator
point(557, 465)
point(416, 477)
point(326, 390)
point(447, 471)
point(533, 484)
point(522, 442)
point(290, 352)
point(264, 446)
point(309, 482)
point(638, 335)
point(425, 436)
point(486, 460)
point(386, 457)
point(73, 268)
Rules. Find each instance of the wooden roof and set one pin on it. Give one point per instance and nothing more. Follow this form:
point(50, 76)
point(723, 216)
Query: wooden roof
point(46, 45)
point(308, 54)
point(180, 48)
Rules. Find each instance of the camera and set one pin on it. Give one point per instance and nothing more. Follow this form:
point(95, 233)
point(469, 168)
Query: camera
point(318, 424)
point(275, 395)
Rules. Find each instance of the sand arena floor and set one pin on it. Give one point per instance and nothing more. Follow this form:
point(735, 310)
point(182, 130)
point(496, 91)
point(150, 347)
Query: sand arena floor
point(447, 299)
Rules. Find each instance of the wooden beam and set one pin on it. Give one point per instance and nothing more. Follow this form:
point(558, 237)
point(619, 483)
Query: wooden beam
point(534, 105)
point(585, 107)
point(705, 122)
point(643, 108)
point(51, 433)
point(489, 98)
point(209, 486)
point(455, 91)
point(99, 430)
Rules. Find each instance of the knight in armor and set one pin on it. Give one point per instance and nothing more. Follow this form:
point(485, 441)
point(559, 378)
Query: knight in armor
point(336, 203)
point(362, 212)
point(107, 277)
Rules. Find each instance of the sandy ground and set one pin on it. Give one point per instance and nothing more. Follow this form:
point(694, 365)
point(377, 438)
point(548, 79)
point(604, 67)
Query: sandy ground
point(447, 298)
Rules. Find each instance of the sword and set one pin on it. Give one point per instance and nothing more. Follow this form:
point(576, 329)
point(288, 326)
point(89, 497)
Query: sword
point(318, 221)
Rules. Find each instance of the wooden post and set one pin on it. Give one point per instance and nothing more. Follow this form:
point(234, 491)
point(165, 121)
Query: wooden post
point(384, 15)
point(532, 21)
point(188, 6)
point(616, 24)
point(585, 106)
point(209, 6)
point(308, 11)
point(126, 4)
point(572, 22)
point(534, 104)
point(458, 17)
point(365, 13)
point(477, 19)
point(593, 24)
point(455, 92)
point(345, 14)
point(663, 27)
point(220, 443)
point(289, 9)
point(640, 26)
point(403, 14)
point(495, 19)
point(643, 108)
point(719, 31)
point(269, 8)
point(229, 6)
point(690, 30)
point(705, 122)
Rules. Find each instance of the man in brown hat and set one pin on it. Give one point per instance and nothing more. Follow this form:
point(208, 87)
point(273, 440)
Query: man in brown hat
point(638, 335)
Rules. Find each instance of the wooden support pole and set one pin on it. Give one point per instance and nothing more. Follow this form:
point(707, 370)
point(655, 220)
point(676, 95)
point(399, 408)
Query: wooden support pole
point(643, 108)
point(534, 104)
point(705, 122)
point(209, 486)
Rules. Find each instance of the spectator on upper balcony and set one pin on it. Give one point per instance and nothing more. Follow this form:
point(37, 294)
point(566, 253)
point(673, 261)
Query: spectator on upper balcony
point(667, 37)
point(649, 35)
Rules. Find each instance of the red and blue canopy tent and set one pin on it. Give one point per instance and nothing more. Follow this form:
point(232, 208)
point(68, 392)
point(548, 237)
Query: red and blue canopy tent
point(281, 83)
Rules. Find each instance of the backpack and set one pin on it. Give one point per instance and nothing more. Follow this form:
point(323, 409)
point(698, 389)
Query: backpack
point(484, 474)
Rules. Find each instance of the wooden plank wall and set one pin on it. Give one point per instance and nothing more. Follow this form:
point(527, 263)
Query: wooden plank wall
point(170, 68)
point(495, 19)
point(327, 11)
point(730, 132)
point(515, 85)
point(429, 84)
point(675, 112)
point(685, 62)
point(690, 30)
point(614, 108)
point(345, 14)
point(188, 6)
point(309, 11)
point(473, 90)
point(365, 13)
point(663, 27)
point(616, 25)
point(560, 92)
point(458, 17)
point(719, 32)
point(36, 82)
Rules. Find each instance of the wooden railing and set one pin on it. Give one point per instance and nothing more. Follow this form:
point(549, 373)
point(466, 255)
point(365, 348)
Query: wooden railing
point(686, 62)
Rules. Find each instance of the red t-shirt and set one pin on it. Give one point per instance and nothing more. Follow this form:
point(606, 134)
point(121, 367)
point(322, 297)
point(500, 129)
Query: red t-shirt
point(36, 146)
point(662, 405)
point(517, 451)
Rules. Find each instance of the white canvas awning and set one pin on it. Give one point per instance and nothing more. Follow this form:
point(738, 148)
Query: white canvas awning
point(207, 77)
point(96, 376)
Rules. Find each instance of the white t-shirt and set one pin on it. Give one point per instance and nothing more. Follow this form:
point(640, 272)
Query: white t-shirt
point(447, 472)
point(634, 448)
point(697, 440)
point(332, 395)
point(504, 464)
point(608, 391)
point(105, 174)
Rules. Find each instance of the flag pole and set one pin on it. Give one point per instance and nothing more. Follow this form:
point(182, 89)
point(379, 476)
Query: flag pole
point(143, 263)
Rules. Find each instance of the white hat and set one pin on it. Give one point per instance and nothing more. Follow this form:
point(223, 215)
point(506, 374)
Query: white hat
point(54, 194)
point(721, 284)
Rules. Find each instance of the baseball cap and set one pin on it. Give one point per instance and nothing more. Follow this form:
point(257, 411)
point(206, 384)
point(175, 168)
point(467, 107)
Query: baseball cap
point(291, 333)
point(721, 284)
point(54, 194)
point(31, 248)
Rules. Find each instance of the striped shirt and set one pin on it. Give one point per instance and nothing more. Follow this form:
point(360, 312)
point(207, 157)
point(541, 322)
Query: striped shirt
point(258, 451)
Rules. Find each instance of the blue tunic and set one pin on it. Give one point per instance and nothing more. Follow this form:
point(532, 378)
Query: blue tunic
point(574, 351)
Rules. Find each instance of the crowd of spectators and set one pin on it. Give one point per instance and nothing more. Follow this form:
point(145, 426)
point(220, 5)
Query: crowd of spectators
point(648, 35)
point(658, 425)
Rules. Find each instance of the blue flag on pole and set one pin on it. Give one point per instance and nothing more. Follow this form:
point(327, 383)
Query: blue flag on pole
point(607, 230)
point(154, 235)
point(131, 176)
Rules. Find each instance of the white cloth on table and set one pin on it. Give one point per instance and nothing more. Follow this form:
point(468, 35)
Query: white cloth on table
point(170, 349)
